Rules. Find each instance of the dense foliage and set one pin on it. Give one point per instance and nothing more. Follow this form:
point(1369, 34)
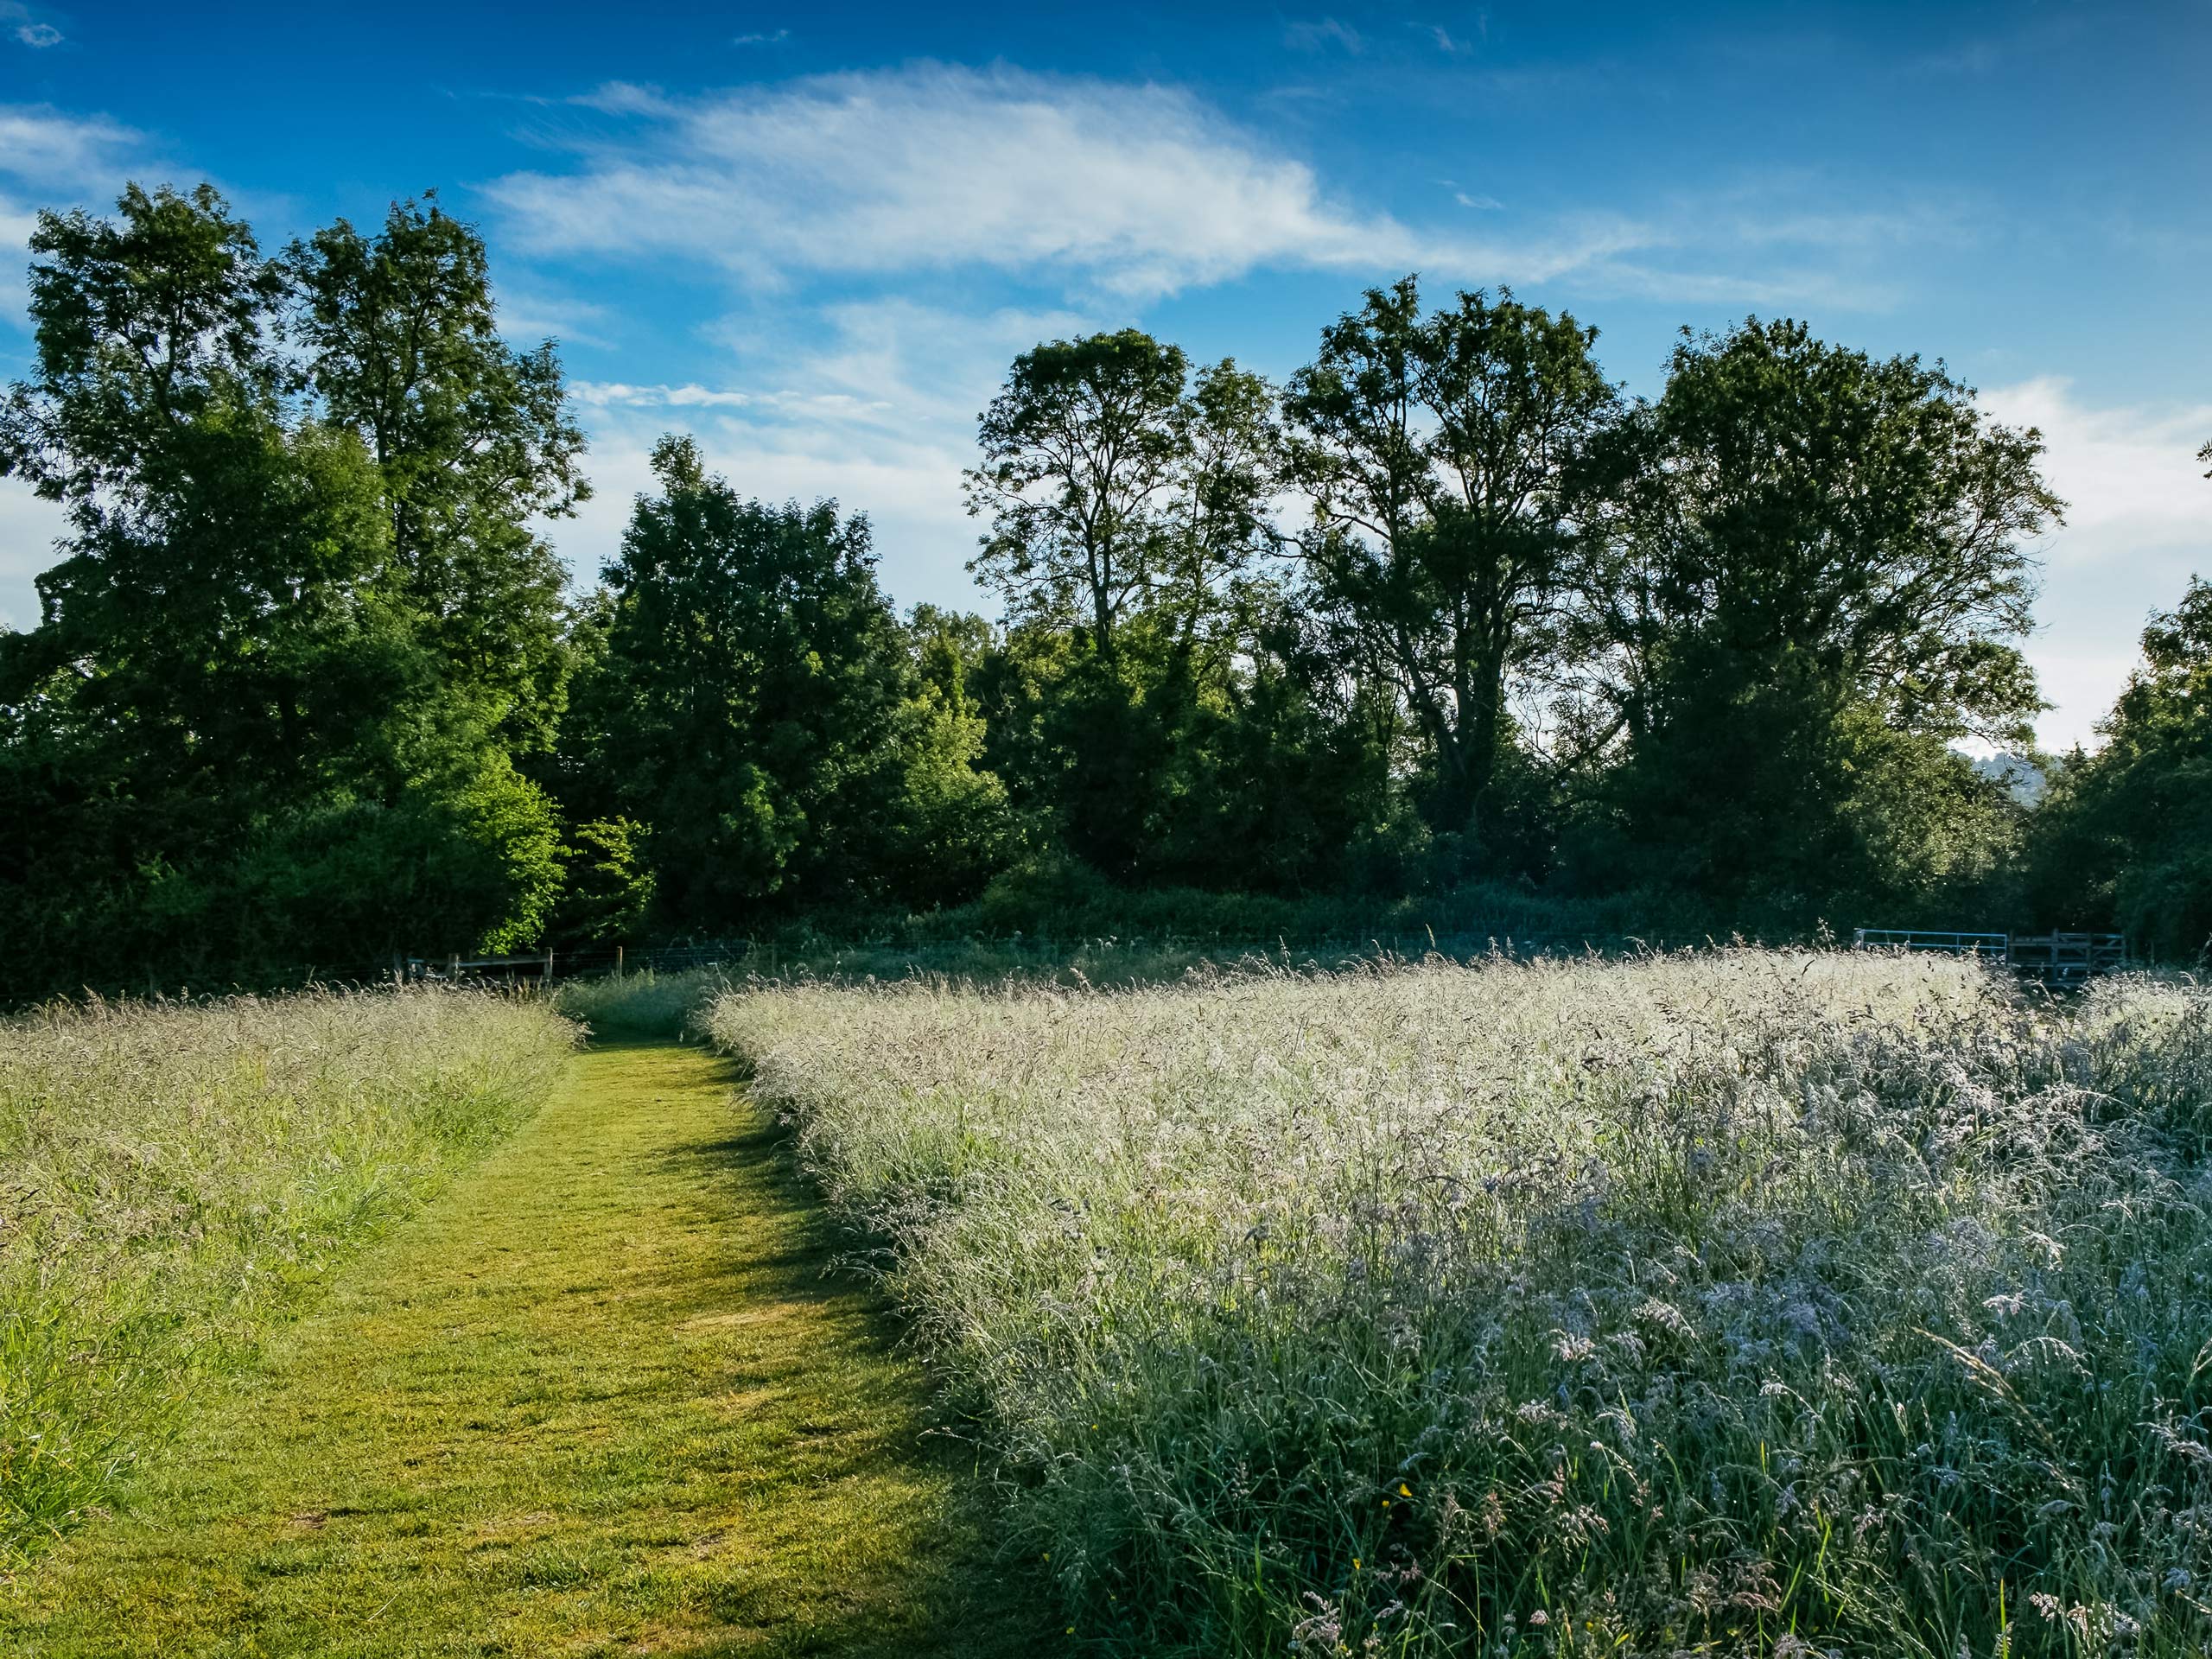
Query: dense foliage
point(2127, 838)
point(301, 627)
point(1447, 627)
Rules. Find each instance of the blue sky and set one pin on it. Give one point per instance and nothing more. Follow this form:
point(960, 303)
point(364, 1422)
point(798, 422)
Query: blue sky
point(815, 235)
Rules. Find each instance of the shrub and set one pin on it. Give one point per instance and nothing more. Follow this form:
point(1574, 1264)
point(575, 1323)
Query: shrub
point(642, 1004)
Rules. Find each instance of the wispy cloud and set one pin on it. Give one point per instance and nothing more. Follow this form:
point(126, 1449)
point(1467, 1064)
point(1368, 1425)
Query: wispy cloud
point(604, 394)
point(44, 148)
point(1137, 190)
point(1322, 34)
point(528, 314)
point(45, 154)
point(28, 29)
point(776, 39)
point(873, 403)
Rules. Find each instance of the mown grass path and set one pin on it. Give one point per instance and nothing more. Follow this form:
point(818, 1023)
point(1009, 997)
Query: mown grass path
point(601, 1398)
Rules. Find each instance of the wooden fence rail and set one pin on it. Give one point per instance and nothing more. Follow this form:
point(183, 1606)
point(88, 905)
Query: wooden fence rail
point(2054, 958)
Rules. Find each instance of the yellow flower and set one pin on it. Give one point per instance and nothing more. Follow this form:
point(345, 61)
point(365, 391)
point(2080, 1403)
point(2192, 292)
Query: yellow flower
point(1404, 1490)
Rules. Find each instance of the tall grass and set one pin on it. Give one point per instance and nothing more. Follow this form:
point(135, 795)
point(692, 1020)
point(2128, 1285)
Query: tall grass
point(174, 1179)
point(1747, 1303)
point(648, 1003)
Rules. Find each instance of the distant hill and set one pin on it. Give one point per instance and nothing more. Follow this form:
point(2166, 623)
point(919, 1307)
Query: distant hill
point(2016, 772)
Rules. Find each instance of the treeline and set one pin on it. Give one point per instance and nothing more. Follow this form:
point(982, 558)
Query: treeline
point(1445, 624)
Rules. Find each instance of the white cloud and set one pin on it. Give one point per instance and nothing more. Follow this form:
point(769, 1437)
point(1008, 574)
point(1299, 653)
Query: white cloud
point(603, 394)
point(2138, 524)
point(42, 147)
point(1779, 288)
point(27, 529)
point(908, 487)
point(776, 39)
point(1136, 189)
point(29, 30)
point(896, 363)
point(876, 407)
point(45, 154)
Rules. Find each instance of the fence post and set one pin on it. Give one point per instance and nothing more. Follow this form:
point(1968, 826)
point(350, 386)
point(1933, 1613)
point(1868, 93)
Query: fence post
point(549, 964)
point(617, 962)
point(453, 966)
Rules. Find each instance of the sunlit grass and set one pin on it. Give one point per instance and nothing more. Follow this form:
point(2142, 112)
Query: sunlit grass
point(604, 1396)
point(1743, 1303)
point(174, 1178)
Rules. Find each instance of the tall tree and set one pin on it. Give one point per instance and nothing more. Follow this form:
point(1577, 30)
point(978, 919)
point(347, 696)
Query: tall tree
point(1793, 495)
point(1081, 448)
point(1807, 543)
point(1219, 527)
point(1155, 699)
point(475, 440)
point(231, 684)
point(758, 709)
point(2124, 837)
point(1443, 455)
point(220, 561)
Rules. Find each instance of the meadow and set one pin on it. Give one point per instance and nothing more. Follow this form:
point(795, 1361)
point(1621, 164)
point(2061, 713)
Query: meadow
point(1744, 1302)
point(176, 1179)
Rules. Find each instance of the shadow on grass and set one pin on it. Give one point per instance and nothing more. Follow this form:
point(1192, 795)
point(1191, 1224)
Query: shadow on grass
point(896, 1552)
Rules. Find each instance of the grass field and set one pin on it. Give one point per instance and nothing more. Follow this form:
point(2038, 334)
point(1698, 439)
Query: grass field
point(177, 1180)
point(644, 1003)
point(602, 1397)
point(1750, 1303)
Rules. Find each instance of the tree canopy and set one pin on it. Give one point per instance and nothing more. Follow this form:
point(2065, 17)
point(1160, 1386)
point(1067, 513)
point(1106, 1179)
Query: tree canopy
point(238, 735)
point(1446, 612)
